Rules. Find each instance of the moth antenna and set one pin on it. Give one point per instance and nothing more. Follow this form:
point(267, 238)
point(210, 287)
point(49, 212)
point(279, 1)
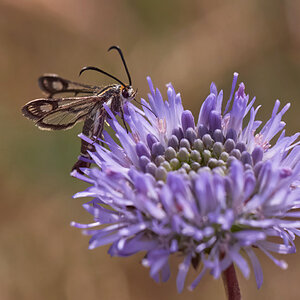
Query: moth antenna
point(100, 71)
point(123, 60)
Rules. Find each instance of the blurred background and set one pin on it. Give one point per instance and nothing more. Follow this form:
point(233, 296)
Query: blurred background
point(189, 43)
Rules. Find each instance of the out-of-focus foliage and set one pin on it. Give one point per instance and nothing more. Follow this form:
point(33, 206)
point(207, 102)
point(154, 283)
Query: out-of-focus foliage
point(189, 43)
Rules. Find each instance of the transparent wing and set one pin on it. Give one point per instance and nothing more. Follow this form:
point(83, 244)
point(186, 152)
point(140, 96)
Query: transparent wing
point(60, 113)
point(53, 84)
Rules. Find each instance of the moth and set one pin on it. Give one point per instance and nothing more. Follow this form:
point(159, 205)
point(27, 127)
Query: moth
point(59, 113)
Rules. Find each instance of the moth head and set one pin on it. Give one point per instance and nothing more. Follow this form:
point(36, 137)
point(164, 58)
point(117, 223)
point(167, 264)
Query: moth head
point(127, 93)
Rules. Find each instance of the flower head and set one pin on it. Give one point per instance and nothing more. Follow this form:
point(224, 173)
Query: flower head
point(215, 191)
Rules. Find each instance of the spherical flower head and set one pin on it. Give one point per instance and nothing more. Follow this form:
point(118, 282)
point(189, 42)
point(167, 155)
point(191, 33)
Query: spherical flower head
point(214, 191)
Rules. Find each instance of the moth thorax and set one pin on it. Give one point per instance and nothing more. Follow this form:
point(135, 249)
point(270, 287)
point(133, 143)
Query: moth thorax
point(108, 103)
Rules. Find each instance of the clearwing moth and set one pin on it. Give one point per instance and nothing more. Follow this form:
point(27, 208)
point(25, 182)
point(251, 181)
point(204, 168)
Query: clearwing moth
point(58, 113)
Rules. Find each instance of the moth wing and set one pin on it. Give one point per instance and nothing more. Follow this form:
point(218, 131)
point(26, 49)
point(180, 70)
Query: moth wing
point(53, 84)
point(60, 113)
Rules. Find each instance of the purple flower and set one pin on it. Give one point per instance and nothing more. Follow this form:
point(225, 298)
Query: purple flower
point(215, 192)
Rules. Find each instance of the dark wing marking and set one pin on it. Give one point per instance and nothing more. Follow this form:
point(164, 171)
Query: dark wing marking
point(60, 113)
point(52, 84)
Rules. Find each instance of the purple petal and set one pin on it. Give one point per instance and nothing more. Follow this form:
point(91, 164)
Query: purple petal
point(183, 270)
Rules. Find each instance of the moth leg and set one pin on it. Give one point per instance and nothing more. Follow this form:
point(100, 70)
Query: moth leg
point(123, 119)
point(98, 132)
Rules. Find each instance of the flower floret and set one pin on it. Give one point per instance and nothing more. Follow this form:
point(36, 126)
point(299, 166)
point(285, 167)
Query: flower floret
point(215, 191)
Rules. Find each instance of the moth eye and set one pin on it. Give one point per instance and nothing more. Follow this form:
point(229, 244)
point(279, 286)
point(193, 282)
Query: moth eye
point(125, 93)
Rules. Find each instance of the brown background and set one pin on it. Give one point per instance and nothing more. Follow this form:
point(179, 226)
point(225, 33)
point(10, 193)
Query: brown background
point(189, 43)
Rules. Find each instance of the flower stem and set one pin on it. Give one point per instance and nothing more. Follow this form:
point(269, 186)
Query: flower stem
point(231, 284)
